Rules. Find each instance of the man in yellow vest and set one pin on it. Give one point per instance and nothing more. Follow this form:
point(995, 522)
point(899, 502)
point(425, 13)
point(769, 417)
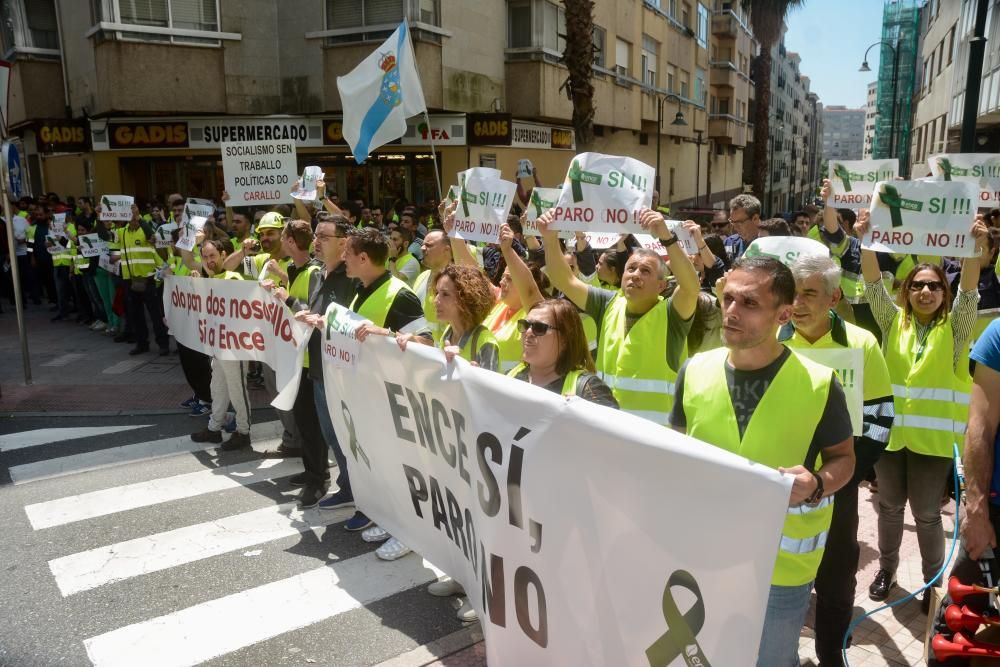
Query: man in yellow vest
point(401, 262)
point(757, 398)
point(303, 277)
point(139, 262)
point(437, 255)
point(390, 307)
point(819, 333)
point(642, 337)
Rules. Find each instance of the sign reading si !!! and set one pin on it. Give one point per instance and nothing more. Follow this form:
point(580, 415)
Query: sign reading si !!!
point(923, 217)
point(604, 193)
point(259, 172)
point(490, 129)
point(854, 180)
point(982, 169)
point(148, 135)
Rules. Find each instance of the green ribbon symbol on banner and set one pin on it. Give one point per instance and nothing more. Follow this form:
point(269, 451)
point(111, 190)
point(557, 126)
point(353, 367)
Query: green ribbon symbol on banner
point(890, 197)
point(679, 639)
point(541, 205)
point(461, 197)
point(841, 172)
point(355, 445)
point(948, 169)
point(577, 176)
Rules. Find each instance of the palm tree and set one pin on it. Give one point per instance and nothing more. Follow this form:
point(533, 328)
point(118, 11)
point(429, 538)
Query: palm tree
point(578, 57)
point(766, 19)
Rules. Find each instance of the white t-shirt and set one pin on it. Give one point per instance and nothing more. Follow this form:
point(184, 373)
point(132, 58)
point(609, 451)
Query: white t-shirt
point(20, 235)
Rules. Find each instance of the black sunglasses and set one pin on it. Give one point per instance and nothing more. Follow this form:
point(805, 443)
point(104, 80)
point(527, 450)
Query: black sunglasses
point(932, 285)
point(537, 328)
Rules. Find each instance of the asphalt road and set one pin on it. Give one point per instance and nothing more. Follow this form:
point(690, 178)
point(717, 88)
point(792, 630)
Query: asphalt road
point(131, 545)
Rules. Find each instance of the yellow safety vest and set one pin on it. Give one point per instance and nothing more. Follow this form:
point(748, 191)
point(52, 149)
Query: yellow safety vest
point(422, 288)
point(66, 258)
point(376, 307)
point(138, 256)
point(931, 393)
point(479, 337)
point(779, 435)
point(403, 261)
point(635, 366)
point(507, 335)
point(300, 290)
point(569, 383)
point(80, 263)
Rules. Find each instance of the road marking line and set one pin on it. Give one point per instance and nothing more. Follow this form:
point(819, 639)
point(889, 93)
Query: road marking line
point(45, 436)
point(123, 366)
point(153, 492)
point(63, 360)
point(217, 627)
point(116, 562)
point(263, 434)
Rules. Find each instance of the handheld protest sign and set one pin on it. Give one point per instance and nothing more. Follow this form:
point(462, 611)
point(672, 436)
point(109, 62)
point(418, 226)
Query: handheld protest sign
point(58, 224)
point(542, 199)
point(484, 203)
point(116, 208)
point(189, 231)
point(923, 218)
point(983, 169)
point(91, 245)
point(604, 193)
point(684, 239)
point(307, 184)
point(163, 236)
point(340, 343)
point(849, 363)
point(786, 249)
point(854, 180)
point(53, 245)
point(196, 207)
point(259, 172)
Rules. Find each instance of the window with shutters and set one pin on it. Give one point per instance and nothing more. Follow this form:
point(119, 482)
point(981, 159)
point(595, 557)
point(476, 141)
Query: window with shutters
point(29, 27)
point(167, 21)
point(375, 20)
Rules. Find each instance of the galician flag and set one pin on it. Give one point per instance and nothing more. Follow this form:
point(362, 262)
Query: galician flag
point(380, 94)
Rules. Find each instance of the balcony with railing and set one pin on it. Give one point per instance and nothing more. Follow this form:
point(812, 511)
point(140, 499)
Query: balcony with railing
point(725, 24)
point(727, 129)
point(724, 73)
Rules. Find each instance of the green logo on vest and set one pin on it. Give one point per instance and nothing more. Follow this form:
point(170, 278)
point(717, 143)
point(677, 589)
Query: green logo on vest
point(680, 637)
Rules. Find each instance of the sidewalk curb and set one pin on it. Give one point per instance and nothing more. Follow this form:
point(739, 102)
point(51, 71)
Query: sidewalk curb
point(107, 413)
point(437, 649)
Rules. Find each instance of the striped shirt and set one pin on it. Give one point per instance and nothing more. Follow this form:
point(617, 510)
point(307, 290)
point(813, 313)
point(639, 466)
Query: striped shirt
point(962, 317)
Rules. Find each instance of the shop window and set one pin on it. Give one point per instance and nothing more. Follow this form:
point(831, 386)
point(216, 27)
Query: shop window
point(29, 26)
point(168, 21)
point(375, 20)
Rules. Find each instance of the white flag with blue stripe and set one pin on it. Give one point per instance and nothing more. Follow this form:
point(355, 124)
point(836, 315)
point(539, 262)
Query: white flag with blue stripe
point(380, 94)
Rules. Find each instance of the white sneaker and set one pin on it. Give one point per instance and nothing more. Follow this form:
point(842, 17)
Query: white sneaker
point(98, 326)
point(467, 613)
point(375, 534)
point(392, 550)
point(445, 588)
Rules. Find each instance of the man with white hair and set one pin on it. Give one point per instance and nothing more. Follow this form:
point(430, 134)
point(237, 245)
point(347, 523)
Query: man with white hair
point(815, 326)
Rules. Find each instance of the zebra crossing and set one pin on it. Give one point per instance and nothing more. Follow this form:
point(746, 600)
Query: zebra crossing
point(169, 556)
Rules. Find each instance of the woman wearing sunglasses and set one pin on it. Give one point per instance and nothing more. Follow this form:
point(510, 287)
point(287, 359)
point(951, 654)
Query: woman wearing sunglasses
point(463, 297)
point(555, 355)
point(925, 341)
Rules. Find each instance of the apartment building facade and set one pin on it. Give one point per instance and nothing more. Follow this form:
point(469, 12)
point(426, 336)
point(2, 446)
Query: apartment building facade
point(871, 111)
point(117, 96)
point(843, 133)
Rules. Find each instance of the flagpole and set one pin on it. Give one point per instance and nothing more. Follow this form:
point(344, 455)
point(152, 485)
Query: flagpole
point(430, 139)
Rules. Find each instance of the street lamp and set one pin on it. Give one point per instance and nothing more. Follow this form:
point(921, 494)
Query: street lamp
point(678, 120)
point(895, 85)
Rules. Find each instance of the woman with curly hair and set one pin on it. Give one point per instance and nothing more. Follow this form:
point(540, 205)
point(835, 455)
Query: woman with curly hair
point(463, 298)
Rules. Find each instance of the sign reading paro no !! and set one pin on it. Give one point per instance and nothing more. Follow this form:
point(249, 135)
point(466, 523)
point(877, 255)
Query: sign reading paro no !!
point(259, 172)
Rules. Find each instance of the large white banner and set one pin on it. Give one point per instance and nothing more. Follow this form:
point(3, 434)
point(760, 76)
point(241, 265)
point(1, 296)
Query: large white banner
point(854, 180)
point(238, 320)
point(259, 173)
point(582, 535)
point(484, 201)
point(983, 169)
point(604, 193)
point(923, 218)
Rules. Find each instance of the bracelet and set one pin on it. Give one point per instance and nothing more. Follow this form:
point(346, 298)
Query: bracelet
point(817, 495)
point(702, 247)
point(669, 242)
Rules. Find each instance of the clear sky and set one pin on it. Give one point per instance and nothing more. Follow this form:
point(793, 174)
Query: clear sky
point(831, 37)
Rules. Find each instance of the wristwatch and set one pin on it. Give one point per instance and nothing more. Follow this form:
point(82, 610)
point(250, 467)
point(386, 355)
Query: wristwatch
point(669, 242)
point(817, 495)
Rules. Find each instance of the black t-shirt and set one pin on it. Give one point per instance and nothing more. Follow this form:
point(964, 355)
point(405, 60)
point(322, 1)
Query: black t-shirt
point(747, 388)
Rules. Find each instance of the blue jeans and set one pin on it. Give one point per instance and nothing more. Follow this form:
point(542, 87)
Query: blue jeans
point(786, 613)
point(330, 435)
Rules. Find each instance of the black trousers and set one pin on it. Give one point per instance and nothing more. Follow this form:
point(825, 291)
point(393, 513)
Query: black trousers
point(836, 579)
point(197, 367)
point(314, 449)
point(140, 303)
